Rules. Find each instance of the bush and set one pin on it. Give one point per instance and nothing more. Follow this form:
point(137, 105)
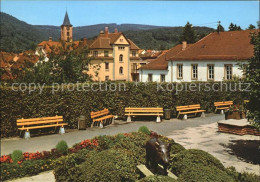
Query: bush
point(245, 177)
point(66, 168)
point(108, 165)
point(17, 155)
point(201, 173)
point(72, 104)
point(145, 130)
point(62, 147)
point(157, 178)
point(26, 168)
point(175, 147)
point(187, 158)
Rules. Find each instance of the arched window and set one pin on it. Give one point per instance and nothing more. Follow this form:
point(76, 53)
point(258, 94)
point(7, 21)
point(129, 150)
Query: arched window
point(121, 70)
point(121, 58)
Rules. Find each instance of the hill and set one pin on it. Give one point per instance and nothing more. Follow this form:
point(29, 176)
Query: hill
point(17, 36)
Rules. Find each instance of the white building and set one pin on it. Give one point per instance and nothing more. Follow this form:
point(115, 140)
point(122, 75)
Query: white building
point(216, 57)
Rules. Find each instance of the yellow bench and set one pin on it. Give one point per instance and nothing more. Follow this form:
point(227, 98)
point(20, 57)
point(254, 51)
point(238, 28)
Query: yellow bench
point(101, 117)
point(144, 111)
point(184, 111)
point(36, 123)
point(222, 105)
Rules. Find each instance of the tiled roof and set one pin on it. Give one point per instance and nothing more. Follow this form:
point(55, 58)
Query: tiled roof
point(232, 45)
point(133, 46)
point(161, 63)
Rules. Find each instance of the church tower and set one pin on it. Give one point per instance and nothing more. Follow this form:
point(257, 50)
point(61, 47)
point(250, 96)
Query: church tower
point(66, 29)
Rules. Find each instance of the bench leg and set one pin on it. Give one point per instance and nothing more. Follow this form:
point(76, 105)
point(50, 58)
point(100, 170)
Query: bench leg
point(27, 135)
point(62, 130)
point(128, 119)
point(113, 121)
point(21, 133)
point(101, 125)
point(185, 117)
point(158, 119)
point(202, 115)
point(222, 112)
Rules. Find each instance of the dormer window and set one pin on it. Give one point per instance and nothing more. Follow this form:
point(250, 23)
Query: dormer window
point(121, 58)
point(134, 53)
point(106, 53)
point(95, 53)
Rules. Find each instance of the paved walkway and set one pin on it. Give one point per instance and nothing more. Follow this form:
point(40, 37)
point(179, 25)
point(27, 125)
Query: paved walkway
point(47, 142)
point(206, 137)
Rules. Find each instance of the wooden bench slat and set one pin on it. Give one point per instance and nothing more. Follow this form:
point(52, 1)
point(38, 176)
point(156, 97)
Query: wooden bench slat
point(39, 119)
point(141, 111)
point(190, 112)
point(42, 126)
point(222, 108)
point(39, 122)
point(144, 114)
point(103, 118)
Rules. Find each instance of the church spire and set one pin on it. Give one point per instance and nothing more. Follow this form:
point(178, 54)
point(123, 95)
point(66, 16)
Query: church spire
point(66, 21)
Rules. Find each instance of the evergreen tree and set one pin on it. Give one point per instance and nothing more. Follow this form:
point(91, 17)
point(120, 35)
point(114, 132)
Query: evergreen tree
point(188, 34)
point(253, 77)
point(220, 28)
point(231, 27)
point(251, 27)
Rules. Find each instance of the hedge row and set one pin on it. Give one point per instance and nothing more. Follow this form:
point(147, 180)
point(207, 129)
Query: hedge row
point(71, 104)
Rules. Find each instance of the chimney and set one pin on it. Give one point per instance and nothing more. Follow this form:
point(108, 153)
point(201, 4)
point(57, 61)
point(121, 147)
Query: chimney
point(101, 32)
point(116, 31)
point(50, 39)
point(106, 31)
point(84, 41)
point(184, 45)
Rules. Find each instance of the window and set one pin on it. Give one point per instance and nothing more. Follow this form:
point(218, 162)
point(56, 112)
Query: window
point(68, 33)
point(121, 70)
point(179, 71)
point(106, 53)
point(121, 40)
point(68, 39)
point(244, 70)
point(107, 78)
point(121, 58)
point(150, 77)
point(162, 78)
point(210, 72)
point(134, 53)
point(95, 53)
point(228, 72)
point(121, 48)
point(107, 66)
point(194, 71)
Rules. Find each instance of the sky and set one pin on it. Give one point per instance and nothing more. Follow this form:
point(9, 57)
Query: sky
point(163, 13)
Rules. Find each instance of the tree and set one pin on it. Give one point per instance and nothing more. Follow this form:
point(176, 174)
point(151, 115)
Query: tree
point(251, 27)
point(220, 28)
point(234, 27)
point(253, 77)
point(188, 34)
point(66, 64)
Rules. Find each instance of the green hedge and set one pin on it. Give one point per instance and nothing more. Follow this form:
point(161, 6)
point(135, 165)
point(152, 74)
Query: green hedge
point(71, 104)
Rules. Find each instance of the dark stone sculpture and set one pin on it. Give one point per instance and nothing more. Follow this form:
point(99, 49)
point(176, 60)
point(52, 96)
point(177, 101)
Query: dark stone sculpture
point(157, 152)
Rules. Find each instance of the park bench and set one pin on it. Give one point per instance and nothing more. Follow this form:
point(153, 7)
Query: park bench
point(184, 111)
point(101, 117)
point(25, 125)
point(222, 105)
point(145, 111)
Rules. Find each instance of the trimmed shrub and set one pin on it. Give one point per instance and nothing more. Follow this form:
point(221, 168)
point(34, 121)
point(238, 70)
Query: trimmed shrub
point(17, 155)
point(26, 168)
point(157, 178)
point(202, 173)
point(66, 168)
point(72, 104)
point(108, 165)
point(187, 158)
point(62, 147)
point(245, 177)
point(145, 130)
point(175, 147)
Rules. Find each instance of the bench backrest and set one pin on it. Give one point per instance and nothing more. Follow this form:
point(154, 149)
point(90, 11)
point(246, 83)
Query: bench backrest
point(224, 103)
point(188, 107)
point(144, 110)
point(33, 121)
point(99, 113)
